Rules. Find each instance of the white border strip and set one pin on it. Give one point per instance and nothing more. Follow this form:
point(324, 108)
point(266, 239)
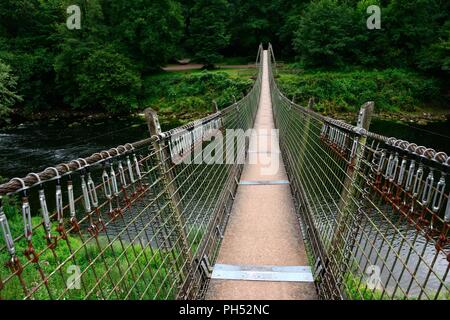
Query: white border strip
point(262, 182)
point(262, 273)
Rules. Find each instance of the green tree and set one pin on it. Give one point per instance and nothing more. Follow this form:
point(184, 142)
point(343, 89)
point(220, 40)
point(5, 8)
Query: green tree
point(411, 27)
point(108, 80)
point(255, 22)
point(436, 58)
point(149, 30)
point(442, 53)
point(326, 34)
point(74, 49)
point(21, 19)
point(250, 25)
point(289, 25)
point(67, 66)
point(208, 32)
point(370, 44)
point(27, 45)
point(186, 9)
point(100, 66)
point(8, 96)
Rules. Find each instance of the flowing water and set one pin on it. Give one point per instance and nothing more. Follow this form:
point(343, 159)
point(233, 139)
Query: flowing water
point(34, 147)
point(434, 135)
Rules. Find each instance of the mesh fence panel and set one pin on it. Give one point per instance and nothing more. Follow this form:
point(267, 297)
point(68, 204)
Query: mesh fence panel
point(127, 223)
point(374, 210)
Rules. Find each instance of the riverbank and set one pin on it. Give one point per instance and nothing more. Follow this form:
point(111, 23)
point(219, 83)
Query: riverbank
point(171, 119)
point(178, 97)
point(399, 94)
point(421, 118)
point(168, 119)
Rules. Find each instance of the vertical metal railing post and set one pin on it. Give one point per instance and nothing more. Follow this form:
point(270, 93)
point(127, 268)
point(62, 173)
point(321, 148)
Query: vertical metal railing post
point(364, 119)
point(215, 107)
point(168, 178)
point(347, 208)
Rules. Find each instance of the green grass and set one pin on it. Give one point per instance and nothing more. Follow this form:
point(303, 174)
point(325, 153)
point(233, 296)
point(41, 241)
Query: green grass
point(111, 274)
point(393, 90)
point(239, 73)
point(117, 271)
point(356, 288)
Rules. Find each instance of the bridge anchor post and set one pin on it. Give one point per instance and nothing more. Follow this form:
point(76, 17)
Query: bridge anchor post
point(348, 210)
point(168, 179)
point(215, 107)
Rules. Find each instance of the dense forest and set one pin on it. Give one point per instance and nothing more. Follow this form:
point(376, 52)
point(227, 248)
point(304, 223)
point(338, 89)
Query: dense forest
point(102, 66)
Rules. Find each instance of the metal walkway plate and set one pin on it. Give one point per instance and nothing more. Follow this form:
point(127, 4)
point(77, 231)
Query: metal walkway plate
point(262, 182)
point(264, 152)
point(262, 273)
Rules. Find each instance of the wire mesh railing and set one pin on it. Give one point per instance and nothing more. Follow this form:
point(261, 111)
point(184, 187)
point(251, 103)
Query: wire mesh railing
point(374, 211)
point(145, 220)
point(132, 222)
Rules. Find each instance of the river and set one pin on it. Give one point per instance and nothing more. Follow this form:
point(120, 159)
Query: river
point(29, 148)
point(434, 135)
point(35, 147)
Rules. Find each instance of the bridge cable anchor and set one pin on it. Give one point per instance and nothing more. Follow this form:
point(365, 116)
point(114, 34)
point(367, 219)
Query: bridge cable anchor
point(206, 267)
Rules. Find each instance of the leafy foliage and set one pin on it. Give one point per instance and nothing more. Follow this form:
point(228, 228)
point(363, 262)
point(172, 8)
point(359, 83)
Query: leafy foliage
point(26, 29)
point(107, 80)
point(102, 66)
point(96, 68)
point(391, 89)
point(208, 33)
point(193, 92)
point(437, 56)
point(7, 90)
point(314, 41)
point(149, 29)
point(253, 22)
point(412, 27)
point(35, 77)
point(333, 33)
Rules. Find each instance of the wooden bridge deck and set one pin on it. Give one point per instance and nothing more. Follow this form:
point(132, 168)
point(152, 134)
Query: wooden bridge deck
point(263, 229)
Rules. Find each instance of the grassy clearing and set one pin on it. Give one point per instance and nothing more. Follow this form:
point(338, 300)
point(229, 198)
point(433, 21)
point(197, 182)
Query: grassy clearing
point(115, 274)
point(393, 90)
point(119, 271)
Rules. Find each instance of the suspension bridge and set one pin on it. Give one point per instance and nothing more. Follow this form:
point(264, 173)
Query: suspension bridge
point(316, 209)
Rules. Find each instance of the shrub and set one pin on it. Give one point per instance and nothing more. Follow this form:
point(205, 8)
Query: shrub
point(108, 80)
point(325, 33)
point(392, 89)
point(8, 83)
point(193, 92)
point(97, 79)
